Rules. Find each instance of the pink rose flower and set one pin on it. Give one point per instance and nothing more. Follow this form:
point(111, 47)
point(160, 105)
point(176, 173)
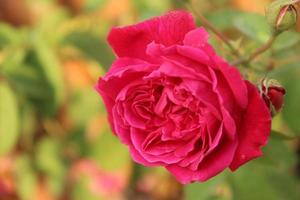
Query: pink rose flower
point(177, 104)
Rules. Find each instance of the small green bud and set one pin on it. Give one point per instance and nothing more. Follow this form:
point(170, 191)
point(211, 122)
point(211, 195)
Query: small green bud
point(282, 15)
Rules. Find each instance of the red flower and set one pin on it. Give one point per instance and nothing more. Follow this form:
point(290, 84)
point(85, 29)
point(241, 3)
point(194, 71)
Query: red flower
point(177, 104)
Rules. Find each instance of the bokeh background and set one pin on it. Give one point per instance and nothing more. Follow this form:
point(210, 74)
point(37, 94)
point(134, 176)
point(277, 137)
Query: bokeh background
point(55, 142)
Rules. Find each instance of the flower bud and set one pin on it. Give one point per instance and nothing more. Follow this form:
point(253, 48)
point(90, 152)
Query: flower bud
point(282, 15)
point(273, 94)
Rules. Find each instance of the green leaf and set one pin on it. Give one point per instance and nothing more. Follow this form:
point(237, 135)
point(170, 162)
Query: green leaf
point(91, 46)
point(50, 162)
point(34, 69)
point(13, 58)
point(286, 40)
point(36, 74)
point(30, 82)
point(48, 157)
point(82, 190)
point(291, 108)
point(85, 104)
point(25, 178)
point(277, 154)
point(92, 5)
point(253, 25)
point(204, 191)
point(47, 23)
point(250, 183)
point(282, 136)
point(9, 118)
point(151, 8)
point(28, 126)
point(109, 144)
point(270, 175)
point(258, 182)
point(8, 35)
point(290, 79)
point(44, 77)
point(223, 18)
point(51, 68)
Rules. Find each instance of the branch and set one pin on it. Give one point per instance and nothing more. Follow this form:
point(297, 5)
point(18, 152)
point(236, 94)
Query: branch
point(256, 53)
point(210, 26)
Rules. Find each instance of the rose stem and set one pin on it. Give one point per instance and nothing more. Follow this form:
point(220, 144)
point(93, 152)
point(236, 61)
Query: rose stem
point(256, 53)
point(210, 26)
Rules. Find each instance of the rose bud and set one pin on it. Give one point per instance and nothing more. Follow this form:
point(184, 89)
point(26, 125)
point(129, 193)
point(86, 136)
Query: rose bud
point(282, 15)
point(273, 94)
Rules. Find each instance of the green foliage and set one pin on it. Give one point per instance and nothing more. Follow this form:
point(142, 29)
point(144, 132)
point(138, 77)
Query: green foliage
point(91, 46)
point(50, 68)
point(28, 123)
point(205, 191)
point(9, 118)
point(253, 25)
point(264, 178)
point(48, 157)
point(92, 5)
point(7, 35)
point(84, 106)
point(263, 182)
point(288, 75)
point(286, 40)
point(108, 144)
point(26, 178)
point(49, 161)
point(47, 125)
point(150, 8)
point(223, 19)
point(82, 190)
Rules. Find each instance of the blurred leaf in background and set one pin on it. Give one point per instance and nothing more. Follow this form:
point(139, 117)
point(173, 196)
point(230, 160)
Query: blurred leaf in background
point(9, 119)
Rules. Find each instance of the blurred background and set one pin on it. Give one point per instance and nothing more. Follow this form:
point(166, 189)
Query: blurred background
point(55, 142)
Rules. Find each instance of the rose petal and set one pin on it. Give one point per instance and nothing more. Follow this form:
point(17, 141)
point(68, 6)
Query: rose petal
point(179, 56)
point(213, 164)
point(255, 129)
point(136, 156)
point(194, 53)
point(138, 137)
point(235, 81)
point(122, 71)
point(231, 74)
point(170, 29)
point(196, 38)
point(119, 127)
point(196, 158)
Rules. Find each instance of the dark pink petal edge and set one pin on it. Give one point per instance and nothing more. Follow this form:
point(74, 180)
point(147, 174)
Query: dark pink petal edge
point(169, 29)
point(255, 130)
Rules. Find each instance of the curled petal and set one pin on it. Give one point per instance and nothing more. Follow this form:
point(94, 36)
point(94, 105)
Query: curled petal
point(196, 38)
point(121, 72)
point(138, 138)
point(211, 165)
